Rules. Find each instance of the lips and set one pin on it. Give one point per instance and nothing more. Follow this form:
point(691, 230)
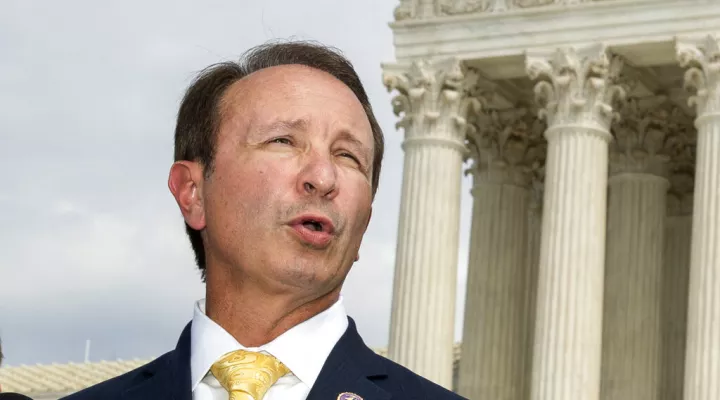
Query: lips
point(313, 229)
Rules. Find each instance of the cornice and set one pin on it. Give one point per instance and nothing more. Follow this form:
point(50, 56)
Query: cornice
point(622, 25)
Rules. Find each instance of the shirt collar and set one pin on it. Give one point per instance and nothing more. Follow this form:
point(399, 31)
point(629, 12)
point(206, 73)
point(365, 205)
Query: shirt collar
point(303, 349)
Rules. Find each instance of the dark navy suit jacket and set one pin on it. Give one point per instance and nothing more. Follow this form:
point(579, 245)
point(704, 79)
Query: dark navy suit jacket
point(351, 367)
point(13, 396)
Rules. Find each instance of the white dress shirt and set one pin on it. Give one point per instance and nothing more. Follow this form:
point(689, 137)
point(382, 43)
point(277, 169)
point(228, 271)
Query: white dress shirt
point(303, 349)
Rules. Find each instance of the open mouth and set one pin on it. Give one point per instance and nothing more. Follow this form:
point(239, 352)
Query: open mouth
point(313, 225)
point(314, 230)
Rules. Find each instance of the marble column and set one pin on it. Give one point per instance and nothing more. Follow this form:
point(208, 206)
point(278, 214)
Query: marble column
point(578, 92)
point(495, 350)
point(702, 61)
point(534, 217)
point(637, 207)
point(676, 268)
point(434, 102)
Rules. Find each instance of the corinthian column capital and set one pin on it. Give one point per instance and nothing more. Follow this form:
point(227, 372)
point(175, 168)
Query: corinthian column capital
point(434, 101)
point(507, 145)
point(647, 136)
point(702, 60)
point(577, 88)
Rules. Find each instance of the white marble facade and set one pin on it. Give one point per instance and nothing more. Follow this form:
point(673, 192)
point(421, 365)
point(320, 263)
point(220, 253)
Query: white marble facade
point(592, 133)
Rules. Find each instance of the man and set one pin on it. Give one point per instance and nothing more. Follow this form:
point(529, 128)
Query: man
point(277, 163)
point(9, 396)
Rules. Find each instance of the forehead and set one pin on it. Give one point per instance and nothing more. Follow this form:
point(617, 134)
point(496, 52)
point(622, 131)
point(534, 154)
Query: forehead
point(291, 92)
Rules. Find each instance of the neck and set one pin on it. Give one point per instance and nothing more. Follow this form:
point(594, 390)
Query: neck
point(253, 316)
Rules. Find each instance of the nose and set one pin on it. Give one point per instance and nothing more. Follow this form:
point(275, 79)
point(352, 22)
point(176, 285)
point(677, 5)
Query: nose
point(318, 177)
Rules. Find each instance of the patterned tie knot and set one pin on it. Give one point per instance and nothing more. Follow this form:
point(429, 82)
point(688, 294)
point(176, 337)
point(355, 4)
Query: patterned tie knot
point(244, 373)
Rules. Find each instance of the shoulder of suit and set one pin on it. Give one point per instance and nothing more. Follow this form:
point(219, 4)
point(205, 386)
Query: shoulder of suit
point(13, 396)
point(415, 385)
point(112, 388)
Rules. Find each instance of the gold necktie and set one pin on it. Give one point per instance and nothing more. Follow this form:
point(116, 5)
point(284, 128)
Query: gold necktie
point(247, 375)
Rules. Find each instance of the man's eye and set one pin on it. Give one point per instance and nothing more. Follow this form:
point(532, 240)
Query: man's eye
point(281, 140)
point(350, 156)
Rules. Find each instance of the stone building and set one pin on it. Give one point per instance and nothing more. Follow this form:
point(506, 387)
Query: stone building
point(592, 133)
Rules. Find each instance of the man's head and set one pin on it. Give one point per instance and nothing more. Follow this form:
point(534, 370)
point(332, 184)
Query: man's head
point(277, 161)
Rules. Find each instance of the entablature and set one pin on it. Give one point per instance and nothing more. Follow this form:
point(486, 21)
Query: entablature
point(644, 32)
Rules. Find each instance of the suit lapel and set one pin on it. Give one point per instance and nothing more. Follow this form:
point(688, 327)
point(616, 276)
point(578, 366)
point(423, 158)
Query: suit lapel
point(351, 368)
point(169, 379)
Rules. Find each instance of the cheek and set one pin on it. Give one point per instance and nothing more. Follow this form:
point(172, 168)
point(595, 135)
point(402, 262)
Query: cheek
point(254, 192)
point(240, 190)
point(360, 203)
point(362, 222)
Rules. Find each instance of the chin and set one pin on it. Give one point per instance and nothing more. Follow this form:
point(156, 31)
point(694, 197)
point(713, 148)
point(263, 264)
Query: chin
point(294, 275)
point(305, 274)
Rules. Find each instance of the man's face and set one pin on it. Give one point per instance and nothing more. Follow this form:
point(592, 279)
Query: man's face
point(289, 197)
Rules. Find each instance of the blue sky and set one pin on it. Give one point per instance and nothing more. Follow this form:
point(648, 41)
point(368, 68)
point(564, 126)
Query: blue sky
point(93, 246)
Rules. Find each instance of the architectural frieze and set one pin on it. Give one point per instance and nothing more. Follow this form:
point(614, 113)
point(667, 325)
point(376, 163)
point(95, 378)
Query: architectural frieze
point(434, 102)
point(577, 88)
point(407, 8)
point(454, 7)
point(404, 10)
point(702, 61)
point(507, 145)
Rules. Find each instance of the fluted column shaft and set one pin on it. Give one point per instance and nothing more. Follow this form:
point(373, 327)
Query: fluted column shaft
point(533, 261)
point(703, 341)
point(494, 334)
point(423, 311)
point(676, 267)
point(572, 254)
point(506, 148)
point(568, 331)
point(635, 244)
point(423, 314)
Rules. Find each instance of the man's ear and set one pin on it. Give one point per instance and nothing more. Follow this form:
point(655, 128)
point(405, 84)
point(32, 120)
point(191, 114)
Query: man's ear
point(185, 183)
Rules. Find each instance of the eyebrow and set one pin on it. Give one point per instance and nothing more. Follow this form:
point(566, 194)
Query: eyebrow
point(300, 124)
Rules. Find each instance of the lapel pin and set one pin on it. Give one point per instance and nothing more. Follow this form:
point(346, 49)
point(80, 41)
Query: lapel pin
point(349, 396)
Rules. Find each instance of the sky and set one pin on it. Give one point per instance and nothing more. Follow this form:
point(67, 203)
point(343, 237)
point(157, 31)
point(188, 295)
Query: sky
point(92, 243)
